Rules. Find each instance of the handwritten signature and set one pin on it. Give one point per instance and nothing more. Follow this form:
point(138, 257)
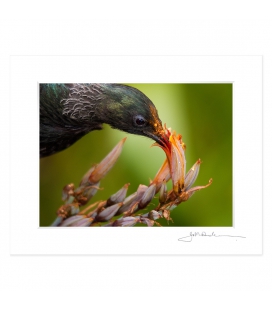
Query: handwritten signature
point(203, 234)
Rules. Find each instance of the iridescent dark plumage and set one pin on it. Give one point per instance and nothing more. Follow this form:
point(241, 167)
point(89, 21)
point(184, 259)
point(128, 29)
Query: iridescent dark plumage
point(69, 111)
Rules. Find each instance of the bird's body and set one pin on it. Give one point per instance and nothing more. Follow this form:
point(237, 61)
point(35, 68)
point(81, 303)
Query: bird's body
point(69, 111)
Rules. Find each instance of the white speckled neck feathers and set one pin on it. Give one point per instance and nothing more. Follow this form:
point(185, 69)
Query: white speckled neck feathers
point(82, 101)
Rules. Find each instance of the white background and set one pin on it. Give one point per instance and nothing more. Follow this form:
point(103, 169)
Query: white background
point(191, 282)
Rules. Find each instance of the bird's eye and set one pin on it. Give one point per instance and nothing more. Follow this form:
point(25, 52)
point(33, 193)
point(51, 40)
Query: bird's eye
point(139, 120)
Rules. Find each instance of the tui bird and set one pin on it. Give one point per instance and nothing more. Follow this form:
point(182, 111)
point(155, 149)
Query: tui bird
point(70, 111)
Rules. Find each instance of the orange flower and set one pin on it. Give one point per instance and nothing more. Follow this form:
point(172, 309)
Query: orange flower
point(174, 149)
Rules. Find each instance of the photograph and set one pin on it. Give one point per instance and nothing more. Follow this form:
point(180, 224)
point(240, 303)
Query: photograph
point(136, 155)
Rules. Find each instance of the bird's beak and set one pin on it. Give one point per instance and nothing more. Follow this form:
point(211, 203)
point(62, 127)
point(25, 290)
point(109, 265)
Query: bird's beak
point(160, 137)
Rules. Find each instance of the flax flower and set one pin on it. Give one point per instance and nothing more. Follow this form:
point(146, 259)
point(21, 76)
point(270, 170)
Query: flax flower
point(122, 211)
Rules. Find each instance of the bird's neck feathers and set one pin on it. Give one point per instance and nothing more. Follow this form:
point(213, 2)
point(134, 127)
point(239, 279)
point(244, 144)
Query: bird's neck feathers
point(81, 103)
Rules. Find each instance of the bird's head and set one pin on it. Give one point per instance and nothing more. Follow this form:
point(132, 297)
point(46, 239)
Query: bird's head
point(126, 108)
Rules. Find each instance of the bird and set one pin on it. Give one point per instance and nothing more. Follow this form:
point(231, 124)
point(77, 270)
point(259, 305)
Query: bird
point(70, 111)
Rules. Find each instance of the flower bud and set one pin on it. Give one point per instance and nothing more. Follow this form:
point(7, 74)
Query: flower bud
point(127, 221)
point(148, 196)
point(67, 210)
point(85, 180)
point(147, 221)
point(163, 193)
point(85, 222)
point(68, 191)
point(128, 202)
point(71, 220)
point(119, 196)
point(154, 215)
point(132, 209)
point(108, 213)
point(166, 214)
point(192, 175)
point(133, 199)
point(84, 193)
point(130, 199)
point(162, 175)
point(106, 164)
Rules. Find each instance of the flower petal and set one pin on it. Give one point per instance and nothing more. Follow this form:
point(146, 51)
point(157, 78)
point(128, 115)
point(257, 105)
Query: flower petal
point(106, 164)
point(163, 193)
point(148, 196)
point(147, 221)
point(192, 190)
point(192, 175)
point(177, 169)
point(119, 196)
point(154, 215)
point(108, 213)
point(126, 221)
point(83, 222)
point(162, 175)
point(71, 220)
point(132, 199)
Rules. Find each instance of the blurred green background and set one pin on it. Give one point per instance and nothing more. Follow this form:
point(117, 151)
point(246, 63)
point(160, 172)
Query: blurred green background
point(202, 113)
